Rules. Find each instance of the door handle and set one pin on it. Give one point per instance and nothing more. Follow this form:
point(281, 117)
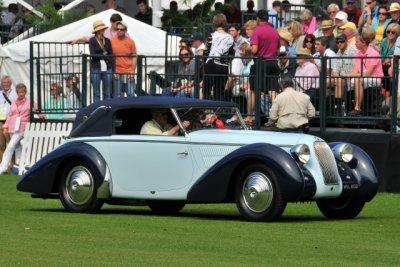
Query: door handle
point(185, 153)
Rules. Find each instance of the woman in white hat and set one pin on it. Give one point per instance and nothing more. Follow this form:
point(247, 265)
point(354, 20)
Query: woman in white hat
point(102, 62)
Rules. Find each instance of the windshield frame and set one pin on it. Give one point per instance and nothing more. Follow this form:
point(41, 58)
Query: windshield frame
point(207, 119)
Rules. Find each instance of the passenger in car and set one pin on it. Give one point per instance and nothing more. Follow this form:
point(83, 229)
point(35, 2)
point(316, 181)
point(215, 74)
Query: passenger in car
point(159, 124)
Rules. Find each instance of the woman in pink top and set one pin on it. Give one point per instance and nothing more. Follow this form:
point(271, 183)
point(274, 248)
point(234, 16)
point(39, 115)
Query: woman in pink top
point(15, 126)
point(308, 22)
point(368, 65)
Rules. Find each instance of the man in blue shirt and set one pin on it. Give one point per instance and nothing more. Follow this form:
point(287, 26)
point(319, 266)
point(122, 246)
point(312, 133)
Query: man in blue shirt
point(274, 15)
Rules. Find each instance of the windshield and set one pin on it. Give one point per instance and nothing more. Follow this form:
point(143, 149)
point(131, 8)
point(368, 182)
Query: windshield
point(212, 117)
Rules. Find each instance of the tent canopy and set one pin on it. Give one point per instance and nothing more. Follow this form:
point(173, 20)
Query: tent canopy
point(148, 39)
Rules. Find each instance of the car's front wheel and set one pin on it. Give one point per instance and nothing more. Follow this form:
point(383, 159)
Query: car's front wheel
point(340, 208)
point(78, 188)
point(257, 193)
point(165, 207)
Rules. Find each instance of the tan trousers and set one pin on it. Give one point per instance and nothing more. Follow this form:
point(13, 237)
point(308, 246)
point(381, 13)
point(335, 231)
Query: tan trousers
point(3, 141)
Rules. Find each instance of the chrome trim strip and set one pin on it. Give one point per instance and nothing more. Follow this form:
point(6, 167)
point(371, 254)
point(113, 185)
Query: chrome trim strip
point(172, 142)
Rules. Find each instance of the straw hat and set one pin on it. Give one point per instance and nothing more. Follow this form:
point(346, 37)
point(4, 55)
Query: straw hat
point(326, 24)
point(348, 25)
point(285, 35)
point(98, 25)
point(394, 7)
point(304, 52)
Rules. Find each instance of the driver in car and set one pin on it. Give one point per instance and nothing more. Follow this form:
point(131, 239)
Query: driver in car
point(159, 124)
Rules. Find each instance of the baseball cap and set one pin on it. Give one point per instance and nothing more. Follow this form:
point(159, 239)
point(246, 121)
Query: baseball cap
point(283, 51)
point(351, 1)
point(195, 37)
point(341, 15)
point(341, 37)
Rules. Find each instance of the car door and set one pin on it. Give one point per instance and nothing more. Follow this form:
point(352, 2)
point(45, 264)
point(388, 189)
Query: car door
point(150, 162)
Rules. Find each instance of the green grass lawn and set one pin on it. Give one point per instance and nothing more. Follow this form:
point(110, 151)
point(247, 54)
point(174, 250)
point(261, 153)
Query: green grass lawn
point(36, 232)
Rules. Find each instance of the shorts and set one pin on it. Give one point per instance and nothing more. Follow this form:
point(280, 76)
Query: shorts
point(270, 76)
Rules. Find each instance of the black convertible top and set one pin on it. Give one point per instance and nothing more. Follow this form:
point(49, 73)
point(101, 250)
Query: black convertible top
point(101, 124)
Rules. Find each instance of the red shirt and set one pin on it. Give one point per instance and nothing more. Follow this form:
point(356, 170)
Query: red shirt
point(267, 40)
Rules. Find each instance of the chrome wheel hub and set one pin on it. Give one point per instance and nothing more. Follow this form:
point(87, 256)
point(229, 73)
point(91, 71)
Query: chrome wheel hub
point(79, 185)
point(257, 192)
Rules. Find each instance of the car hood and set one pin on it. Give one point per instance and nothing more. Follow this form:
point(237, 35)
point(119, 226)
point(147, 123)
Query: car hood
point(243, 137)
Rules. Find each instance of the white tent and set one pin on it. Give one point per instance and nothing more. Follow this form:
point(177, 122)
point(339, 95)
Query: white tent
point(14, 58)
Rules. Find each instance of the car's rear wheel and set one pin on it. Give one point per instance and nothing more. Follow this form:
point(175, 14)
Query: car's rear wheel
point(166, 207)
point(78, 188)
point(257, 193)
point(340, 208)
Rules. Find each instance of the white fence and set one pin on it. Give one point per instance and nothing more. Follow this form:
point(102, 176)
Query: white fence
point(40, 139)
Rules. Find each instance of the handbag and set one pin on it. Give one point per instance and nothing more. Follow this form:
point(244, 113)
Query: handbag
point(3, 112)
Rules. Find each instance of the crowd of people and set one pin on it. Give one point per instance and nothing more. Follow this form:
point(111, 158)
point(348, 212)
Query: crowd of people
point(356, 48)
point(356, 44)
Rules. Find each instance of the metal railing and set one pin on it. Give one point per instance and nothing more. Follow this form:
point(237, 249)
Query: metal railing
point(153, 77)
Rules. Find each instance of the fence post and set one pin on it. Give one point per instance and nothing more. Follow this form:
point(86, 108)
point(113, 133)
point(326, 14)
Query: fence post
point(196, 77)
point(139, 73)
point(322, 94)
point(84, 80)
point(257, 91)
point(39, 78)
point(32, 80)
point(395, 84)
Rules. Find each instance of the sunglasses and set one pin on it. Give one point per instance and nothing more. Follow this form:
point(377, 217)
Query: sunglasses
point(382, 13)
point(120, 29)
point(332, 12)
point(340, 42)
point(390, 32)
point(368, 3)
point(309, 41)
point(185, 55)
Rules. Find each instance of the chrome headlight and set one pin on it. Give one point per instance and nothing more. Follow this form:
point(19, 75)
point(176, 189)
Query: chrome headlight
point(343, 152)
point(300, 153)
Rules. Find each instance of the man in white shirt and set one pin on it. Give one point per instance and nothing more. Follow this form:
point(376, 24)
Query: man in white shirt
point(7, 96)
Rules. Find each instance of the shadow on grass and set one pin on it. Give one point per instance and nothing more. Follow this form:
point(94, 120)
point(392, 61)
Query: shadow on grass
point(205, 215)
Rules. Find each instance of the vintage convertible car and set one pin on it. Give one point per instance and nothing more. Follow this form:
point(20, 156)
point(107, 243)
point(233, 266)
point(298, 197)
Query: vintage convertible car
point(215, 160)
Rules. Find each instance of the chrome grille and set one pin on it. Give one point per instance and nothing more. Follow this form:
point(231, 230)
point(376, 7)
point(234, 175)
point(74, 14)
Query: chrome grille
point(327, 162)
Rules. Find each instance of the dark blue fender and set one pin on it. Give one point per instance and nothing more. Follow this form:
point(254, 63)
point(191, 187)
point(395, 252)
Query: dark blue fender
point(359, 176)
point(213, 186)
point(42, 178)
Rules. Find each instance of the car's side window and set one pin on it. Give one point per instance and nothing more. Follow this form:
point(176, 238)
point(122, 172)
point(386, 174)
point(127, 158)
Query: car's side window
point(130, 121)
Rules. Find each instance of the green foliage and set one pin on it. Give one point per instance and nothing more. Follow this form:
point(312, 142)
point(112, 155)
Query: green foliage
point(201, 13)
point(36, 232)
point(52, 19)
point(312, 2)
